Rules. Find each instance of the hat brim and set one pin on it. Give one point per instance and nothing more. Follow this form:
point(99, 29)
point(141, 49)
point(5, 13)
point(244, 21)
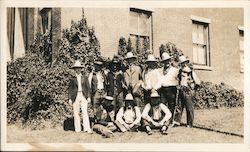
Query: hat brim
point(75, 67)
point(132, 57)
point(98, 63)
point(185, 61)
point(150, 61)
point(165, 59)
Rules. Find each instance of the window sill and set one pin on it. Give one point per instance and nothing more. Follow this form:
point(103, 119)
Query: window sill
point(200, 67)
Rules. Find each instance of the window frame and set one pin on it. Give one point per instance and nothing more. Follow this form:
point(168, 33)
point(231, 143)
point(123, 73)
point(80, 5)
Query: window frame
point(149, 14)
point(241, 50)
point(206, 32)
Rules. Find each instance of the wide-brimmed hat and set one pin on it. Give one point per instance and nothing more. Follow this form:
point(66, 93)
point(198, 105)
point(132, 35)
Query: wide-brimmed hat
point(77, 64)
point(183, 59)
point(154, 94)
point(165, 56)
point(98, 62)
point(109, 98)
point(129, 97)
point(151, 58)
point(129, 55)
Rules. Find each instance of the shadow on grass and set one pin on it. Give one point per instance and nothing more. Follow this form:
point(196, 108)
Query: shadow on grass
point(197, 126)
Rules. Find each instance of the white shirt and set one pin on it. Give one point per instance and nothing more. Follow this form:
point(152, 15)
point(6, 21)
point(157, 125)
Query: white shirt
point(100, 80)
point(129, 116)
point(152, 79)
point(171, 77)
point(79, 82)
point(156, 113)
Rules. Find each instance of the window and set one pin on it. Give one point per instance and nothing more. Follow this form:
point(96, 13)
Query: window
point(46, 19)
point(140, 27)
point(200, 37)
point(241, 44)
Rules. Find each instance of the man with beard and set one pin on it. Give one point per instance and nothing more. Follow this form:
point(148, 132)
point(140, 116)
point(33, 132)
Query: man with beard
point(156, 115)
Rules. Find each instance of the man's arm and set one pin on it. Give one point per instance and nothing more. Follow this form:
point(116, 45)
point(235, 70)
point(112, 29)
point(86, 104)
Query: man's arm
point(119, 116)
point(138, 115)
point(145, 113)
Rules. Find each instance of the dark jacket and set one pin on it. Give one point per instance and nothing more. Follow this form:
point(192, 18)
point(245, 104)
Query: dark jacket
point(94, 83)
point(73, 88)
point(115, 82)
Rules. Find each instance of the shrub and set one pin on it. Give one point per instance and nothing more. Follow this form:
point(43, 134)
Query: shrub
point(37, 91)
point(211, 96)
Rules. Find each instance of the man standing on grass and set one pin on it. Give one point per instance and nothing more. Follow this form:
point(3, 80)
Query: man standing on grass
point(105, 117)
point(98, 86)
point(79, 96)
point(188, 81)
point(133, 78)
point(151, 77)
point(128, 117)
point(156, 115)
point(115, 83)
point(169, 82)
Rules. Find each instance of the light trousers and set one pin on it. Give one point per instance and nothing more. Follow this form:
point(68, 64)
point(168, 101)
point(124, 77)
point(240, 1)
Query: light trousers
point(82, 103)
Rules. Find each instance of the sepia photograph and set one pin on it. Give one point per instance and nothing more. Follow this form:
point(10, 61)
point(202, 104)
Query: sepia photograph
point(129, 74)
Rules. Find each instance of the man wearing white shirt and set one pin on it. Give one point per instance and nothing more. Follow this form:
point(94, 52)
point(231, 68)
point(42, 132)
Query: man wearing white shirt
point(169, 82)
point(151, 77)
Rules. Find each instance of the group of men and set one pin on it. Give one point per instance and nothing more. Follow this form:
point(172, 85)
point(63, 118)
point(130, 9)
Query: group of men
point(133, 98)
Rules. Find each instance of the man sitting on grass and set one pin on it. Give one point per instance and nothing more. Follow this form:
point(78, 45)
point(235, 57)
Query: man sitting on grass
point(105, 116)
point(128, 118)
point(155, 115)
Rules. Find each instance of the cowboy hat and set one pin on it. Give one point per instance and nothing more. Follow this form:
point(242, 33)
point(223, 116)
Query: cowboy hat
point(183, 59)
point(151, 58)
point(129, 55)
point(165, 56)
point(154, 94)
point(129, 97)
point(77, 64)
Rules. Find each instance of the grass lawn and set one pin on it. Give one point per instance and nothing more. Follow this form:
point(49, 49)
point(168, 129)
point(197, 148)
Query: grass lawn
point(211, 128)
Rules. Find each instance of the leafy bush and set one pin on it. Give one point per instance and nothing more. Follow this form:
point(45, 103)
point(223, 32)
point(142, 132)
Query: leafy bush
point(211, 95)
point(37, 90)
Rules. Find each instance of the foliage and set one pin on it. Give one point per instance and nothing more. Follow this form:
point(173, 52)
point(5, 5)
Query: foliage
point(37, 90)
point(122, 47)
point(211, 96)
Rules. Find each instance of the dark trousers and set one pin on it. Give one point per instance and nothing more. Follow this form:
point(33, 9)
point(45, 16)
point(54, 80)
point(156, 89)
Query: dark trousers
point(97, 101)
point(119, 101)
point(168, 97)
point(186, 101)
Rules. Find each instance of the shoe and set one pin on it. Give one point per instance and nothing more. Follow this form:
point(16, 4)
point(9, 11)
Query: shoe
point(189, 126)
point(89, 131)
point(175, 124)
point(150, 132)
point(164, 132)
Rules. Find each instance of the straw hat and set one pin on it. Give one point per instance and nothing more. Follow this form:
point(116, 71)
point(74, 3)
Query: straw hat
point(109, 98)
point(183, 59)
point(151, 58)
point(165, 56)
point(77, 64)
point(154, 94)
point(129, 97)
point(129, 55)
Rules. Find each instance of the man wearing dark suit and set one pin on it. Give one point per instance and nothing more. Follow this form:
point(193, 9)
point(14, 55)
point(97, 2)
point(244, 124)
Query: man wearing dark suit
point(79, 97)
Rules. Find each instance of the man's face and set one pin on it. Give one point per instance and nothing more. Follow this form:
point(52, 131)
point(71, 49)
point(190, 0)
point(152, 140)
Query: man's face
point(166, 63)
point(98, 67)
point(155, 101)
point(129, 104)
point(78, 70)
point(131, 61)
point(151, 65)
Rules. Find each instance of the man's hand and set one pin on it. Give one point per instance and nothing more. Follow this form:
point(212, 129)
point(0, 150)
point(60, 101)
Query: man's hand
point(70, 101)
point(89, 100)
point(156, 124)
point(126, 126)
point(131, 125)
point(110, 124)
